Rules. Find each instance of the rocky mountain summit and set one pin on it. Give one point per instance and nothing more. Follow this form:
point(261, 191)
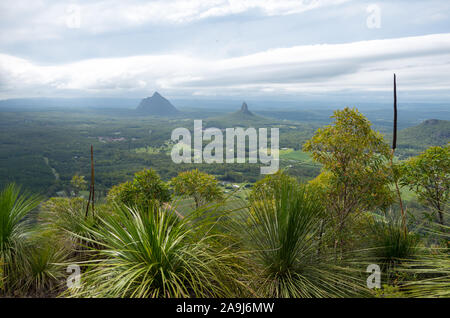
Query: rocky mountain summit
point(157, 105)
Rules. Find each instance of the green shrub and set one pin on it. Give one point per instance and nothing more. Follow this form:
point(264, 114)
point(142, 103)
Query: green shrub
point(15, 232)
point(65, 221)
point(390, 241)
point(41, 272)
point(431, 271)
point(145, 187)
point(154, 253)
point(202, 187)
point(279, 235)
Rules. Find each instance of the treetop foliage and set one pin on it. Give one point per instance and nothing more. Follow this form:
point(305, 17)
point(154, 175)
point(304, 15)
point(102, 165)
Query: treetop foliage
point(428, 175)
point(202, 187)
point(145, 187)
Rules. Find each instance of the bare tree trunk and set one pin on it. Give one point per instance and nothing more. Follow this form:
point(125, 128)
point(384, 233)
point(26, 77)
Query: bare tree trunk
point(92, 179)
point(394, 145)
point(92, 189)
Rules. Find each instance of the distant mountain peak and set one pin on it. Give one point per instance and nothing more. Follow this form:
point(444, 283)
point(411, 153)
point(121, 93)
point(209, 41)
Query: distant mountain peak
point(431, 121)
point(431, 132)
point(244, 110)
point(157, 105)
point(243, 117)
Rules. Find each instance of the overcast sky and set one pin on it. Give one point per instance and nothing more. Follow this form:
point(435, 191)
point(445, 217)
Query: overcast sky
point(220, 48)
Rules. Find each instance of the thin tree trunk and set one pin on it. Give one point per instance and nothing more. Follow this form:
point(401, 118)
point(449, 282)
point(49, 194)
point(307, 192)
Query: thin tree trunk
point(92, 179)
point(394, 145)
point(92, 189)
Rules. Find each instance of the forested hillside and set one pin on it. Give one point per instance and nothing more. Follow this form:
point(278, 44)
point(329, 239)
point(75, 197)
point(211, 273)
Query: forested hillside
point(36, 145)
point(431, 132)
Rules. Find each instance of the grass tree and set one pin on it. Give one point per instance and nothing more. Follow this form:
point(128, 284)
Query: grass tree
point(279, 235)
point(390, 243)
point(14, 234)
point(154, 253)
point(63, 220)
point(428, 273)
point(433, 271)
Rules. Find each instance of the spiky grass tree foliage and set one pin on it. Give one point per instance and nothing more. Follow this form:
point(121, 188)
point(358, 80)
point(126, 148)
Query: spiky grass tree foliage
point(14, 234)
point(154, 253)
point(431, 271)
point(280, 233)
point(390, 241)
point(40, 273)
point(434, 276)
point(64, 221)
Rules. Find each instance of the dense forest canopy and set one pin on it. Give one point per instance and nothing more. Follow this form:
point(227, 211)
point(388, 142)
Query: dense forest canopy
point(44, 149)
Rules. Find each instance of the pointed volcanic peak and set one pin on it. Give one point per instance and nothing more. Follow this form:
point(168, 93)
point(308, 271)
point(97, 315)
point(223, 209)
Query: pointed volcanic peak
point(243, 112)
point(242, 118)
point(157, 105)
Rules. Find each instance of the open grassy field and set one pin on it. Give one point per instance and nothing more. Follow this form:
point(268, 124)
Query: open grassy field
point(297, 155)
